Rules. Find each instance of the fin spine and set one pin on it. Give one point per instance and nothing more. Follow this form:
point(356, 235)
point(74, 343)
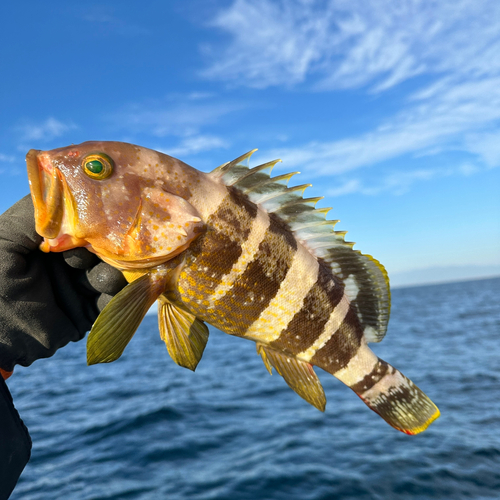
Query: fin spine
point(273, 195)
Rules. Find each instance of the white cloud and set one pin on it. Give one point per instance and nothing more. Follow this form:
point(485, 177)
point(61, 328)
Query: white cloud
point(348, 43)
point(457, 117)
point(196, 144)
point(177, 115)
point(7, 158)
point(10, 165)
point(45, 131)
point(348, 187)
point(273, 43)
point(486, 145)
point(340, 44)
point(397, 183)
point(468, 169)
point(105, 20)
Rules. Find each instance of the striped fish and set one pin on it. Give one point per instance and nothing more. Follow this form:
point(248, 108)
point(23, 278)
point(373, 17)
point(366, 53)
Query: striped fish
point(234, 248)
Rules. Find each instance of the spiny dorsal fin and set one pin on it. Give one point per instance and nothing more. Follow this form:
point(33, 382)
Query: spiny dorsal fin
point(299, 375)
point(232, 171)
point(367, 283)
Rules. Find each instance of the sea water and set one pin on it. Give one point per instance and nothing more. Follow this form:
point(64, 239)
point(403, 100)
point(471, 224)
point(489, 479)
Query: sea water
point(144, 428)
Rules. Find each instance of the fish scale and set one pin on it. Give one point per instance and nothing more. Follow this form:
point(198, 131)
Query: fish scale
point(234, 248)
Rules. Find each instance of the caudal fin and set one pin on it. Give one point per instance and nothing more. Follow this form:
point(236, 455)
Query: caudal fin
point(398, 400)
point(388, 392)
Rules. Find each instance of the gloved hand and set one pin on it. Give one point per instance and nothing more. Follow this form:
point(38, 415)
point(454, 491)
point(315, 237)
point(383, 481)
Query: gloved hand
point(46, 300)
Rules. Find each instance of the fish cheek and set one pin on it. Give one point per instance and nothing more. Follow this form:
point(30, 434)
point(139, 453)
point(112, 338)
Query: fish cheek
point(104, 213)
point(166, 224)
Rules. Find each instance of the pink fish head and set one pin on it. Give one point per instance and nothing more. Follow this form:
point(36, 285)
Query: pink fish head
point(125, 203)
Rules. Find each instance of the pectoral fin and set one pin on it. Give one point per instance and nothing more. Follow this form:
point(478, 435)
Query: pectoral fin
point(184, 334)
point(299, 375)
point(119, 320)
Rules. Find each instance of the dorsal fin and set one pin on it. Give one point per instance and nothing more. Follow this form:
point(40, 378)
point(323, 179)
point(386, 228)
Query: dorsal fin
point(366, 280)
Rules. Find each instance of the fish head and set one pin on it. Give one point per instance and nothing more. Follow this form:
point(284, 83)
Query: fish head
point(114, 198)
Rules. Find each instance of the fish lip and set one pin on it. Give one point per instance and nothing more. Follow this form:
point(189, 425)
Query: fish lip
point(46, 192)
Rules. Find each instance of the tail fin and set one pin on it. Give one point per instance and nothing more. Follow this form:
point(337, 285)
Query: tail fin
point(389, 393)
point(401, 403)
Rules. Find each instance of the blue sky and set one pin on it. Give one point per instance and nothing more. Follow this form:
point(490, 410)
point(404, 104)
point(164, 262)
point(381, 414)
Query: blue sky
point(390, 108)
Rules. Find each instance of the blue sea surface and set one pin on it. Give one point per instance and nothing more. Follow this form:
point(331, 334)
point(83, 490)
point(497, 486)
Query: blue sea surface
point(144, 428)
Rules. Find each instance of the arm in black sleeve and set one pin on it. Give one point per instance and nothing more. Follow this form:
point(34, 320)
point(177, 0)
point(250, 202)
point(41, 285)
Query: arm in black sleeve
point(46, 301)
point(15, 448)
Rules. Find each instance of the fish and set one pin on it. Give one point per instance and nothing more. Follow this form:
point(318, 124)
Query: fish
point(234, 248)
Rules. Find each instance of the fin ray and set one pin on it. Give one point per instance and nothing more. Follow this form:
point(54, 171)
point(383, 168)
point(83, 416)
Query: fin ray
point(232, 171)
point(401, 403)
point(299, 375)
point(369, 290)
point(184, 335)
point(119, 320)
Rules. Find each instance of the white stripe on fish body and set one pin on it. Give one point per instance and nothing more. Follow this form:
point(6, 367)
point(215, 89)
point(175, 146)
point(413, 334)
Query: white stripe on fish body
point(207, 195)
point(393, 379)
point(331, 328)
point(249, 249)
point(301, 276)
point(360, 365)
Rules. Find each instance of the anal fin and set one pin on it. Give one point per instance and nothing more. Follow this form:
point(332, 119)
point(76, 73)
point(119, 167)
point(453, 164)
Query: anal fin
point(183, 333)
point(299, 375)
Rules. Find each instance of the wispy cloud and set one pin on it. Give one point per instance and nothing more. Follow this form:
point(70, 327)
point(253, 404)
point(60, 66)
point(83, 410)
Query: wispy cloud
point(273, 43)
point(181, 119)
point(459, 117)
point(486, 145)
point(175, 115)
point(44, 131)
point(348, 43)
point(11, 165)
point(105, 19)
point(340, 44)
point(397, 182)
point(7, 158)
point(196, 144)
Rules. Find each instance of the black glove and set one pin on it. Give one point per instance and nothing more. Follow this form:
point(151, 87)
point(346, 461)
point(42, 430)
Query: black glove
point(15, 443)
point(46, 300)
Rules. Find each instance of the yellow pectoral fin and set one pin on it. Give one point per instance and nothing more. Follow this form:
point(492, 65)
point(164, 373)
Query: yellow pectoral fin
point(119, 320)
point(133, 274)
point(185, 335)
point(299, 375)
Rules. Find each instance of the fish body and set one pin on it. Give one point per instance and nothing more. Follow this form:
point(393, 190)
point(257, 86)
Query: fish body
point(234, 248)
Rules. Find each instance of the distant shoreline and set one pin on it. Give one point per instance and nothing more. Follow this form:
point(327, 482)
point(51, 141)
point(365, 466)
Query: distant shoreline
point(446, 282)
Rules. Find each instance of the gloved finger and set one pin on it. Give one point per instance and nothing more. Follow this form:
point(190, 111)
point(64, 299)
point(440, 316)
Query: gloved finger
point(17, 228)
point(80, 258)
point(106, 279)
point(103, 300)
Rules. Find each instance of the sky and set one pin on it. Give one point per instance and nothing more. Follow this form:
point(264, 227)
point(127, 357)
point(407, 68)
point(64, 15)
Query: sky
point(391, 109)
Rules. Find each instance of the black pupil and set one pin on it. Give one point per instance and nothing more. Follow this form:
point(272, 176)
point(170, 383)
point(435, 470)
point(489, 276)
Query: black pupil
point(95, 166)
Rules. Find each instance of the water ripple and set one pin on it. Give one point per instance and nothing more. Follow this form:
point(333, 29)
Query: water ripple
point(144, 428)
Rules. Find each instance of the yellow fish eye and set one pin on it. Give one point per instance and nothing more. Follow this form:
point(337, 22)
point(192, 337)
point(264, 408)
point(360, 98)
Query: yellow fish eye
point(97, 166)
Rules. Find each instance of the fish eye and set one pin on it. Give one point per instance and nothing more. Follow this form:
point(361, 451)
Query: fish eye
point(97, 166)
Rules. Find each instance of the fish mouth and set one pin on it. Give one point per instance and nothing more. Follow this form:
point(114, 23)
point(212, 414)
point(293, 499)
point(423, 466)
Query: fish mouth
point(47, 192)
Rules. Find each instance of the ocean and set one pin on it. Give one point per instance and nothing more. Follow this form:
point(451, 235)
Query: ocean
point(144, 428)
